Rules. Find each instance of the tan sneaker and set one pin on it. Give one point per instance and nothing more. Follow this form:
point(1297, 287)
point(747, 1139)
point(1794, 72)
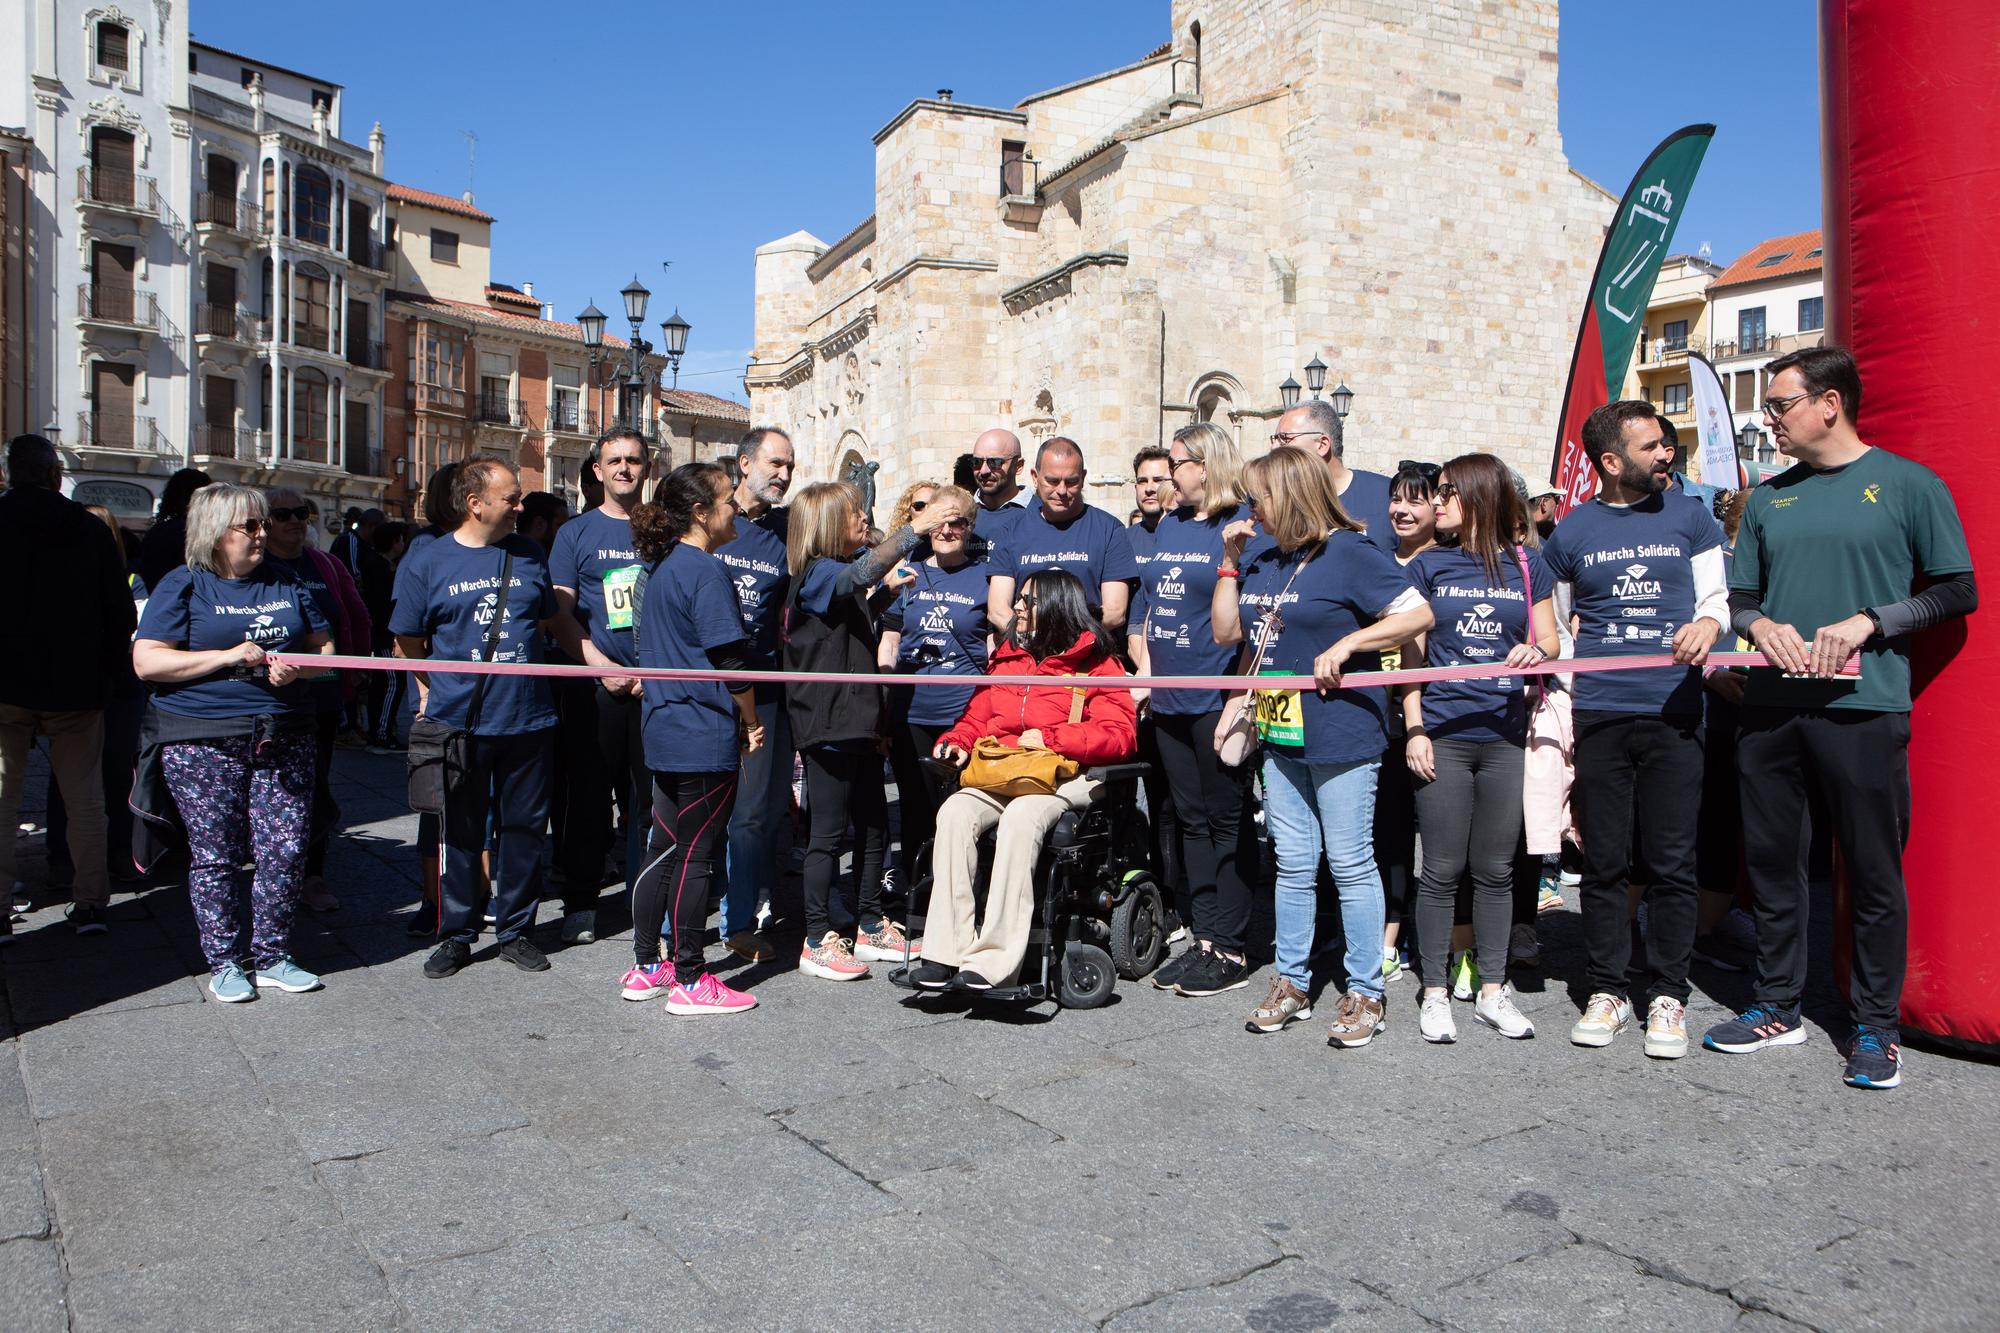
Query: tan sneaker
point(831, 960)
point(1604, 1017)
point(884, 944)
point(1284, 1005)
point(751, 946)
point(1356, 1021)
point(1666, 1028)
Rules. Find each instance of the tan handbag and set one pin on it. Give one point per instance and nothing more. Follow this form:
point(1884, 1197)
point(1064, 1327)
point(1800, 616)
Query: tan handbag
point(1008, 771)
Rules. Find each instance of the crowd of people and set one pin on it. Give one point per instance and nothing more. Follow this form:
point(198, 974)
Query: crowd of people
point(1676, 801)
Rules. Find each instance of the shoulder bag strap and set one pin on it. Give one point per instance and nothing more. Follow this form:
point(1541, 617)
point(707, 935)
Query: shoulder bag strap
point(1075, 706)
point(492, 643)
point(1528, 600)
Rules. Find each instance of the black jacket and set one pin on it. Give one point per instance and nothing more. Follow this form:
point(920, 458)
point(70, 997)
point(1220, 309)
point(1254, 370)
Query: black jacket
point(63, 592)
point(843, 640)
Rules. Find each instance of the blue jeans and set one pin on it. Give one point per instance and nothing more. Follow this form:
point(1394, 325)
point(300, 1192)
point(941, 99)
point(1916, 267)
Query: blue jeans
point(1330, 806)
point(763, 796)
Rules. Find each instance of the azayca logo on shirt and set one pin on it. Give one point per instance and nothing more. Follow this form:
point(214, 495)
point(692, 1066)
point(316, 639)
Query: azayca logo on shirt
point(263, 627)
point(1638, 589)
point(1170, 588)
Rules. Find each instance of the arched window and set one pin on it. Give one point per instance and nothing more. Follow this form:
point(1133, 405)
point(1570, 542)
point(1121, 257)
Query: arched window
point(312, 307)
point(309, 415)
point(312, 206)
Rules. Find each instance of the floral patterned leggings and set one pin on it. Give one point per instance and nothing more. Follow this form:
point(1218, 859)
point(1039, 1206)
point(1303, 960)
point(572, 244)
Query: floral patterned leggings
point(235, 802)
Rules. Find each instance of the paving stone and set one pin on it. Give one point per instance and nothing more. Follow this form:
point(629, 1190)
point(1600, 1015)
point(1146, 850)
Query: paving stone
point(45, 993)
point(984, 1058)
point(347, 1010)
point(17, 1123)
point(31, 1288)
point(117, 1059)
point(910, 1129)
point(1082, 1229)
point(24, 1212)
point(347, 1100)
point(781, 1065)
point(886, 1272)
point(613, 1106)
point(613, 1276)
point(140, 1184)
point(409, 1205)
point(1579, 1287)
point(1289, 1296)
point(317, 1278)
point(796, 1187)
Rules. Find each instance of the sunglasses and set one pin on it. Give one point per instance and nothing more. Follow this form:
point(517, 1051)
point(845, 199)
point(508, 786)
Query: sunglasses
point(1430, 470)
point(249, 527)
point(952, 525)
point(918, 506)
point(1249, 499)
point(1447, 490)
point(283, 514)
point(993, 464)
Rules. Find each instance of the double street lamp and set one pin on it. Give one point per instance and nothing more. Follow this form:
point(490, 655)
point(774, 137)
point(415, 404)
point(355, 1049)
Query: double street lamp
point(673, 343)
point(1341, 398)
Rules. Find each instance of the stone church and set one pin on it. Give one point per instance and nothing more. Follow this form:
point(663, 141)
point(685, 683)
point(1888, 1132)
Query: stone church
point(1380, 183)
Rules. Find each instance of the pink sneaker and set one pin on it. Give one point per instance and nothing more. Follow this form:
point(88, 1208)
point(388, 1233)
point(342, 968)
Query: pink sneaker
point(884, 944)
point(707, 996)
point(831, 960)
point(643, 983)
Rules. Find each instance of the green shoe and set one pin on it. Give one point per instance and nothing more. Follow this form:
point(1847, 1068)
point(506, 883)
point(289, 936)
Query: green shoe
point(1392, 964)
point(1464, 976)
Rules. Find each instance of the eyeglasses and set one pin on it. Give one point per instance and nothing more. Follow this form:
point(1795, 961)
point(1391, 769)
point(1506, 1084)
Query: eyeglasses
point(284, 514)
point(1775, 408)
point(249, 527)
point(918, 506)
point(993, 464)
point(1284, 437)
point(1249, 499)
point(1176, 464)
point(1447, 491)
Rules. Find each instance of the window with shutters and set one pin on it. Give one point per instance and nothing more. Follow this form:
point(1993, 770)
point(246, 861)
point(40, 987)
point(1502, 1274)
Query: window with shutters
point(444, 246)
point(114, 47)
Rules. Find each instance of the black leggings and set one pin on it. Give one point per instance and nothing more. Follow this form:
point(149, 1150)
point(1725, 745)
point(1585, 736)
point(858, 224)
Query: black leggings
point(690, 820)
point(325, 811)
point(843, 788)
point(918, 795)
point(1218, 832)
point(1471, 819)
point(1396, 838)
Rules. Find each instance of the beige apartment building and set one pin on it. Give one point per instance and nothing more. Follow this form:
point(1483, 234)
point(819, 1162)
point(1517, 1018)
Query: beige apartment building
point(1380, 183)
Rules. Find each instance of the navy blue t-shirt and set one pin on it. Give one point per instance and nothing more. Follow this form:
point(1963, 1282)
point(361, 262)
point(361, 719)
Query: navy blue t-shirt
point(199, 611)
point(942, 618)
point(449, 594)
point(1347, 584)
point(1478, 619)
point(690, 608)
point(755, 561)
point(594, 557)
point(1094, 546)
point(1176, 594)
point(325, 690)
point(993, 528)
point(1632, 574)
point(1367, 501)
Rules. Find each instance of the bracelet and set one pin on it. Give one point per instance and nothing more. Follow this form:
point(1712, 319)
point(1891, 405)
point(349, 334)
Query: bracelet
point(1224, 572)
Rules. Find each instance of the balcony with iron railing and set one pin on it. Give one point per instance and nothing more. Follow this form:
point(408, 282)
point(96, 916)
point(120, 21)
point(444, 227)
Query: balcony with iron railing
point(107, 187)
point(1768, 344)
point(227, 213)
point(226, 322)
point(434, 397)
point(570, 419)
point(364, 354)
point(222, 441)
point(126, 307)
point(129, 431)
point(647, 429)
point(368, 252)
point(497, 409)
point(366, 460)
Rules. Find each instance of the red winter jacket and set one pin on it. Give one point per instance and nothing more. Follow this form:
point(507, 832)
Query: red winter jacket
point(1108, 732)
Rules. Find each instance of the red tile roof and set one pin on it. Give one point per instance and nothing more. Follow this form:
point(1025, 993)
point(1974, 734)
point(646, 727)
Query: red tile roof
point(443, 203)
point(1793, 255)
point(486, 314)
point(704, 405)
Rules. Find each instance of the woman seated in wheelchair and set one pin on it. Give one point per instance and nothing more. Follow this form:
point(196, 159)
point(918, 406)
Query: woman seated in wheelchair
point(1055, 633)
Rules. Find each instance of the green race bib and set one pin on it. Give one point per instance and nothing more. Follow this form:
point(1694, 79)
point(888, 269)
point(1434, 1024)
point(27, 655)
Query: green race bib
point(1280, 718)
point(620, 596)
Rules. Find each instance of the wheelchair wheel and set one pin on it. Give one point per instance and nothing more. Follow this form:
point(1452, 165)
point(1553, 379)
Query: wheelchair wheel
point(1139, 929)
point(1088, 977)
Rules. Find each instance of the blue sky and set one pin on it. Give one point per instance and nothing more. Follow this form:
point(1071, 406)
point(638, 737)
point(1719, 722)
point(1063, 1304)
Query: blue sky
point(614, 136)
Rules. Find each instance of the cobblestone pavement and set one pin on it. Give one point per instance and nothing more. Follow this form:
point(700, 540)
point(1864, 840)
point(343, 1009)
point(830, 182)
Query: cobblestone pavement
point(512, 1150)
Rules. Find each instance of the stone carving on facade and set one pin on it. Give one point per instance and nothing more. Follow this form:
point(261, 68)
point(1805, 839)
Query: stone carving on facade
point(110, 112)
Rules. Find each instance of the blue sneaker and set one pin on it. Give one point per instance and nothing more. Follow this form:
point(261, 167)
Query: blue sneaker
point(231, 987)
point(1874, 1060)
point(1755, 1028)
point(287, 975)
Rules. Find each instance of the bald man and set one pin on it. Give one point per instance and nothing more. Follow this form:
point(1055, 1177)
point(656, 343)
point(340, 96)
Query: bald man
point(1060, 531)
point(996, 476)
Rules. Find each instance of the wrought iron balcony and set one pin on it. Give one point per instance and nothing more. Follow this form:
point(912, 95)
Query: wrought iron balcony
point(121, 430)
point(114, 188)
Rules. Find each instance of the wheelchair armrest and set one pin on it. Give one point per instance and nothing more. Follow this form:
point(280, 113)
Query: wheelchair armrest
point(1109, 773)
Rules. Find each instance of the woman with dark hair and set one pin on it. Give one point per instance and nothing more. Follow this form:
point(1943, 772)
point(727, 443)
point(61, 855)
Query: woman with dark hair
point(696, 732)
point(163, 548)
point(1490, 600)
point(833, 618)
point(1413, 519)
point(1054, 633)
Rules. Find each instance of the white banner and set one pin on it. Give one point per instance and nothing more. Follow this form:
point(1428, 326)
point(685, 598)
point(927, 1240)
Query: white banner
point(1713, 425)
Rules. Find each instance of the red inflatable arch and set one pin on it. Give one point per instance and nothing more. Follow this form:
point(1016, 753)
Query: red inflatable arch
point(1910, 97)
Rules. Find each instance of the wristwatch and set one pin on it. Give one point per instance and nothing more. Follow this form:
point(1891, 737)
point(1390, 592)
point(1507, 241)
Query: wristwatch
point(1873, 619)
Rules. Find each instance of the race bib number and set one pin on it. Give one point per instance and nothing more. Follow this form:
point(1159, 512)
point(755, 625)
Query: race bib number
point(1280, 718)
point(620, 595)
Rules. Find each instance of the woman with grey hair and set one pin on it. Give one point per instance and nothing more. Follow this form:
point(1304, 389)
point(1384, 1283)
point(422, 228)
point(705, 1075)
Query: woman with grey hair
point(236, 733)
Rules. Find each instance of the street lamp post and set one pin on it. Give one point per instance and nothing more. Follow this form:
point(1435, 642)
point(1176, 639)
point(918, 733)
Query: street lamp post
point(1288, 393)
point(674, 341)
point(1315, 375)
point(673, 334)
point(591, 321)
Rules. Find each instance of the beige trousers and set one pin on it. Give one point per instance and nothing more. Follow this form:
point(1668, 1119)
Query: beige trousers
point(76, 754)
point(994, 950)
point(1547, 776)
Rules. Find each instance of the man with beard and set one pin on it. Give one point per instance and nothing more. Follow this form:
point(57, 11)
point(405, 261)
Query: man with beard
point(756, 561)
point(1643, 565)
point(996, 477)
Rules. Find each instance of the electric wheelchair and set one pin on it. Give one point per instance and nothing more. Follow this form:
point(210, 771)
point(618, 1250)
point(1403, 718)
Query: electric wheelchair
point(1099, 914)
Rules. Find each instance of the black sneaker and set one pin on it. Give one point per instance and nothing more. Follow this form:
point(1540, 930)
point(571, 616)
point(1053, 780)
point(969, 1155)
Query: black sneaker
point(1167, 973)
point(1215, 973)
point(1874, 1059)
point(523, 953)
point(970, 981)
point(447, 959)
point(423, 922)
point(932, 976)
point(87, 920)
point(1757, 1027)
point(6, 927)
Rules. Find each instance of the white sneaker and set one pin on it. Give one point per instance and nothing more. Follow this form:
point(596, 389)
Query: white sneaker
point(1666, 1028)
point(1434, 1018)
point(1524, 946)
point(1603, 1018)
point(1496, 1010)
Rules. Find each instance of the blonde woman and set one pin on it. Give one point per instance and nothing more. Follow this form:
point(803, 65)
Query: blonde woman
point(1171, 636)
point(832, 624)
point(1320, 601)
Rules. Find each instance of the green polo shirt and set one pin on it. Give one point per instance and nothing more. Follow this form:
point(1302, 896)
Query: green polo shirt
point(1819, 546)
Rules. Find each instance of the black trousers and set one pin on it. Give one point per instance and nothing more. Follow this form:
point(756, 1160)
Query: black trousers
point(602, 759)
point(1643, 771)
point(506, 783)
point(1217, 831)
point(690, 820)
point(843, 790)
point(1471, 817)
point(918, 795)
point(1856, 766)
point(1396, 838)
point(325, 810)
point(1720, 843)
point(1169, 846)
